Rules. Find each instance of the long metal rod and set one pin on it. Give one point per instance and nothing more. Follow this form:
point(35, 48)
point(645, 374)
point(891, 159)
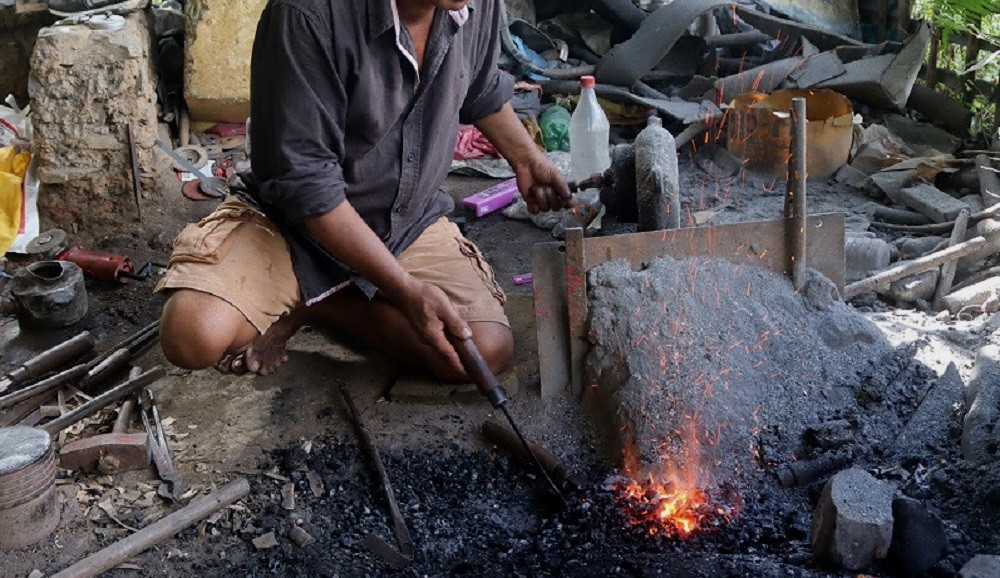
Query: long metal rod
point(401, 559)
point(795, 200)
point(95, 405)
point(136, 184)
point(56, 381)
point(106, 559)
point(49, 360)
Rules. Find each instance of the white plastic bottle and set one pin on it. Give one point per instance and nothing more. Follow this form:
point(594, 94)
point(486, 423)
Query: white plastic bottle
point(589, 134)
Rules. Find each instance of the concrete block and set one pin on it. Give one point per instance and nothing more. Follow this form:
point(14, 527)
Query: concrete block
point(910, 289)
point(852, 525)
point(936, 204)
point(931, 422)
point(982, 566)
point(978, 294)
point(911, 248)
point(87, 87)
point(219, 41)
point(918, 539)
point(980, 435)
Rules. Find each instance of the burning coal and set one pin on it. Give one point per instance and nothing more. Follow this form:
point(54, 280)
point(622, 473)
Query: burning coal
point(672, 511)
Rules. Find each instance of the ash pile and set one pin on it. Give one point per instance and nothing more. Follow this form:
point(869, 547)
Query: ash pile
point(692, 357)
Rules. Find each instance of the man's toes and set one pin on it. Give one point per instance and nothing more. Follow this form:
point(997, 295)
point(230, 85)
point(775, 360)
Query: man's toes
point(253, 364)
point(224, 364)
point(239, 364)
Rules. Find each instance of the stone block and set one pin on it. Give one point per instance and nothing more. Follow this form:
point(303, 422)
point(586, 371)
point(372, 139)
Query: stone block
point(982, 566)
point(852, 525)
point(936, 204)
point(910, 289)
point(918, 539)
point(931, 422)
point(980, 434)
point(219, 41)
point(978, 294)
point(87, 87)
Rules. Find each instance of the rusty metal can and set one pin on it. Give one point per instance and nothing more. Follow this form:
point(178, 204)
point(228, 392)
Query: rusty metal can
point(29, 511)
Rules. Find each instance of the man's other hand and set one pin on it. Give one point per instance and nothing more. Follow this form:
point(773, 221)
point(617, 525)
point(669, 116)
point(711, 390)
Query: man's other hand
point(542, 185)
point(431, 314)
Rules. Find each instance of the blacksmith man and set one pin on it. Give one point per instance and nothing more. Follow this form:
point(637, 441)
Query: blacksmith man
point(355, 108)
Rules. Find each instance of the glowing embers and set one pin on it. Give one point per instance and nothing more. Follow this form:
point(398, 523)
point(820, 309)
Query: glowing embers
point(672, 511)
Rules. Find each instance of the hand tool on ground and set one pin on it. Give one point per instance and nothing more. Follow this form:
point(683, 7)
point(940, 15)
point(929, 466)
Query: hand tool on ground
point(49, 360)
point(54, 245)
point(402, 558)
point(114, 360)
point(45, 386)
point(212, 188)
point(157, 532)
point(121, 391)
point(503, 437)
point(488, 385)
point(173, 485)
point(109, 453)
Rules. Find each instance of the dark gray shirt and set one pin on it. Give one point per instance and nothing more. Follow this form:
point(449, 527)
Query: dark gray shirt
point(340, 112)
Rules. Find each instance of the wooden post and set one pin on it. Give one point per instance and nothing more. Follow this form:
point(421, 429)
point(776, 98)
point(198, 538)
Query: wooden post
point(883, 16)
point(969, 79)
point(932, 59)
point(905, 15)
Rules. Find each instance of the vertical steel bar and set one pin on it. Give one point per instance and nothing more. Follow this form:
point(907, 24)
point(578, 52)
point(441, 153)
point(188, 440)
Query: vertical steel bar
point(577, 307)
point(795, 201)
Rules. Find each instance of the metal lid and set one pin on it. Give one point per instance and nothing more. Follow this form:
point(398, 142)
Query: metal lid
point(21, 447)
point(48, 244)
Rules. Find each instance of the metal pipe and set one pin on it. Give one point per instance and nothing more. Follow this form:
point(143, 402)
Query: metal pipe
point(95, 405)
point(49, 360)
point(795, 200)
point(107, 558)
point(56, 381)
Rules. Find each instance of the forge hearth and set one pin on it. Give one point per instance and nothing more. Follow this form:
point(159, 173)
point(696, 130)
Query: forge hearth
point(691, 358)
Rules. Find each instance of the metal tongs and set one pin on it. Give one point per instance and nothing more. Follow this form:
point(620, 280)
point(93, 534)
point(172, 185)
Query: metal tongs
point(172, 486)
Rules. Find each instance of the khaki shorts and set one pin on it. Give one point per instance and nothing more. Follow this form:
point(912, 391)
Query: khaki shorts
point(238, 255)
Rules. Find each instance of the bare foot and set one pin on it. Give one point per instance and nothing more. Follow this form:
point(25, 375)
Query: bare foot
point(268, 352)
point(233, 363)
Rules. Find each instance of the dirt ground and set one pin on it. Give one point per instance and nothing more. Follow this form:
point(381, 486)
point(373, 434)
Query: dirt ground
point(272, 429)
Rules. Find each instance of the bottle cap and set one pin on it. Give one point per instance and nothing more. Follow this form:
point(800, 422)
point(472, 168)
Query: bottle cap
point(587, 81)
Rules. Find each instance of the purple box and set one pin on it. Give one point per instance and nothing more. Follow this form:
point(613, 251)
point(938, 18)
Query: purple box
point(492, 199)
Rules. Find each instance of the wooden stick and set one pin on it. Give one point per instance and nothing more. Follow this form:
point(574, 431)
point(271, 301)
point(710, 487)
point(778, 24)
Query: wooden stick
point(920, 265)
point(115, 554)
point(948, 269)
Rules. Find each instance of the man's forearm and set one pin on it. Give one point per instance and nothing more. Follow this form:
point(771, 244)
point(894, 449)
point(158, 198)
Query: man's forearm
point(509, 136)
point(345, 235)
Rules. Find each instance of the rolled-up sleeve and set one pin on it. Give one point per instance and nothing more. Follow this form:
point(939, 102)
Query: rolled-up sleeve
point(297, 108)
point(490, 87)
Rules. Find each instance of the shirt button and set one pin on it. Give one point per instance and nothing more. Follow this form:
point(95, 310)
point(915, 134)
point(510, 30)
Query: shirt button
point(409, 158)
point(399, 208)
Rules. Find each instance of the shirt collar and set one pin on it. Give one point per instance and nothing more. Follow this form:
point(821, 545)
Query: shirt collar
point(381, 20)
